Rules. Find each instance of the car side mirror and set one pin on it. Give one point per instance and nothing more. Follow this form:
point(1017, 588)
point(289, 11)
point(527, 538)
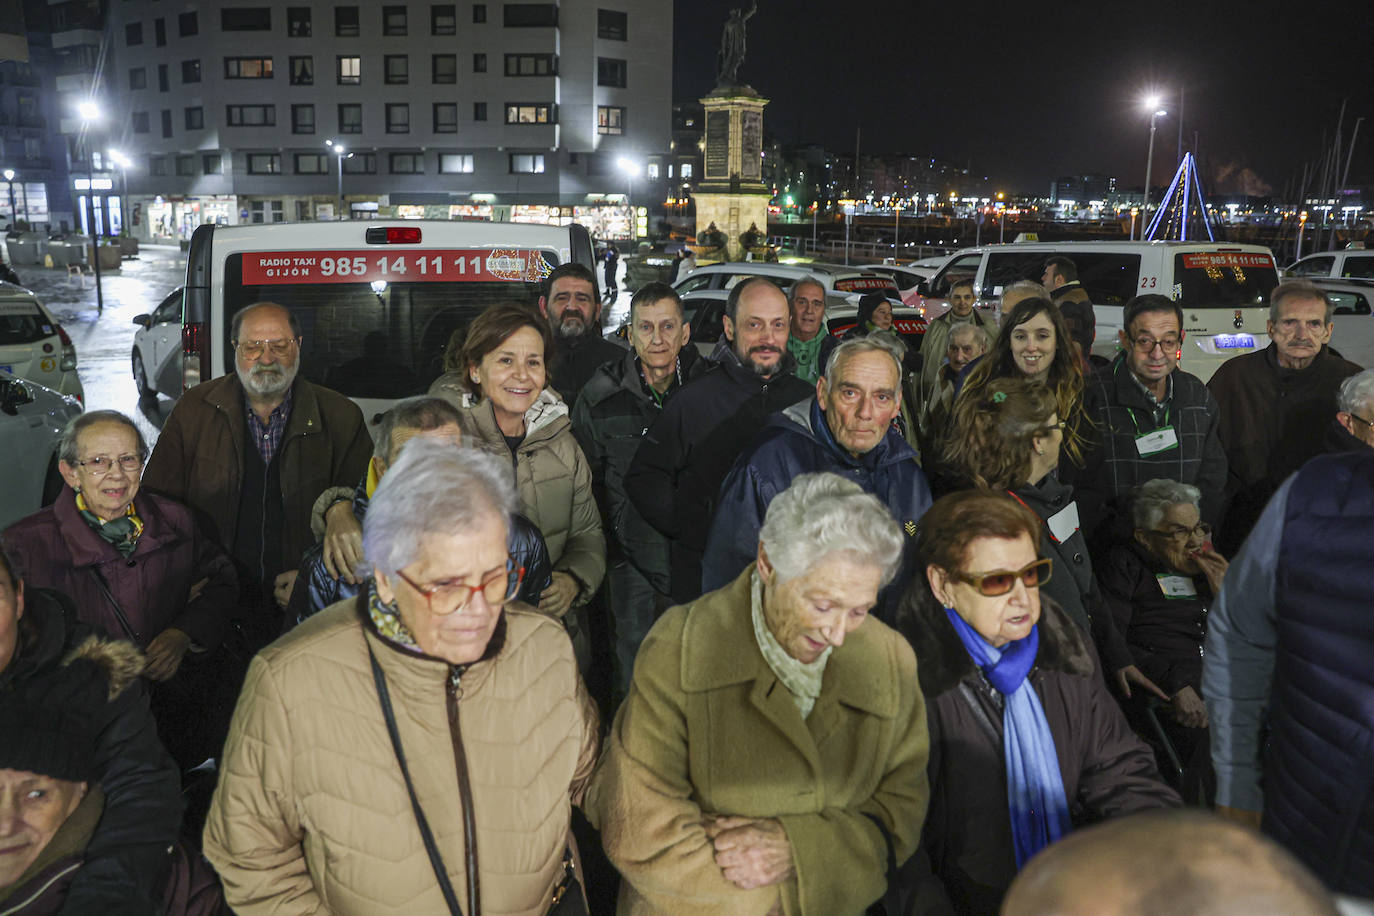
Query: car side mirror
point(145, 321)
point(13, 395)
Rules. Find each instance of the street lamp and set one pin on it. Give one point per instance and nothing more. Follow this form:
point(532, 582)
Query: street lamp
point(342, 153)
point(1151, 103)
point(89, 112)
point(123, 162)
point(9, 180)
point(629, 167)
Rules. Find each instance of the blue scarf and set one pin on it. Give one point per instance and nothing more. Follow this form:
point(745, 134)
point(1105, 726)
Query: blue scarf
point(1035, 787)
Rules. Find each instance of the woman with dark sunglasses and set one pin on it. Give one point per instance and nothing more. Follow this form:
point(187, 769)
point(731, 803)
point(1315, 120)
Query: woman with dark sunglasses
point(1025, 742)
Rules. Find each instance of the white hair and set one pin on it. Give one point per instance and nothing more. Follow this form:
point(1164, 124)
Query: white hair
point(872, 343)
point(1154, 497)
point(820, 514)
point(1356, 392)
point(434, 487)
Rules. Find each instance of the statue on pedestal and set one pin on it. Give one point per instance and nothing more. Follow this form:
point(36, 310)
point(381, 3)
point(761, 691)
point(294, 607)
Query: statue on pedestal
point(731, 53)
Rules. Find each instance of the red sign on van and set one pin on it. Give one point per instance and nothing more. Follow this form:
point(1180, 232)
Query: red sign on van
point(453, 265)
point(854, 284)
point(1205, 260)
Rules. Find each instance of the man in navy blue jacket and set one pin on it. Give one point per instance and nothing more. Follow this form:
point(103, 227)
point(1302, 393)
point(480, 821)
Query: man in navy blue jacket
point(846, 429)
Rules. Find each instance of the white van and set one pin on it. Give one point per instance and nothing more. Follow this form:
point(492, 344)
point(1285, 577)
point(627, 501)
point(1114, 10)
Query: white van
point(376, 301)
point(1222, 288)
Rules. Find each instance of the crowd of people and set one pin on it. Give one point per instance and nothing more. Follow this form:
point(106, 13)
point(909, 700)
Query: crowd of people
point(805, 626)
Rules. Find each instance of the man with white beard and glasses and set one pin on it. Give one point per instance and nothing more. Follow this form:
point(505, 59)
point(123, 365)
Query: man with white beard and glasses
point(250, 451)
point(573, 310)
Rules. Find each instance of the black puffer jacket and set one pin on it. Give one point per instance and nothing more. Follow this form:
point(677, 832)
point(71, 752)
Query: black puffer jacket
point(576, 359)
point(129, 857)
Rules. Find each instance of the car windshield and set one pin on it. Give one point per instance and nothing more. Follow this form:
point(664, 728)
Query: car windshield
point(1223, 279)
point(22, 323)
point(377, 338)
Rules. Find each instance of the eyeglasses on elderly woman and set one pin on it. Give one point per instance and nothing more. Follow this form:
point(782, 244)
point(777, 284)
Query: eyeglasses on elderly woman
point(1180, 534)
point(999, 582)
point(448, 596)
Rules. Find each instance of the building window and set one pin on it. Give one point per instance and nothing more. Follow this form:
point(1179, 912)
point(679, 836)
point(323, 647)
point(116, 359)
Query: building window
point(527, 163)
point(188, 24)
point(529, 113)
point(248, 68)
point(133, 34)
point(186, 165)
point(479, 63)
point(651, 171)
point(446, 117)
point(479, 111)
point(195, 118)
point(211, 164)
point(455, 163)
point(350, 119)
point(140, 122)
point(311, 164)
point(398, 118)
point(302, 120)
point(610, 119)
point(531, 65)
point(610, 24)
point(444, 68)
point(303, 71)
point(531, 15)
point(298, 21)
point(610, 72)
point(361, 164)
point(190, 71)
point(479, 13)
point(246, 19)
point(407, 163)
point(687, 170)
point(160, 38)
point(349, 71)
point(166, 122)
point(346, 21)
point(443, 19)
point(251, 115)
point(138, 78)
point(264, 163)
point(266, 211)
point(157, 165)
point(397, 69)
point(393, 20)
point(163, 84)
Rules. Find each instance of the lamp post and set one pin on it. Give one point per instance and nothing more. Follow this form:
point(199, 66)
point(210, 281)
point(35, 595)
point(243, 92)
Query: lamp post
point(89, 112)
point(629, 167)
point(9, 180)
point(341, 153)
point(1151, 103)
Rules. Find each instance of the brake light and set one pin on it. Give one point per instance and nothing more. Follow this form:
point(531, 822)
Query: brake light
point(393, 235)
point(68, 350)
point(192, 343)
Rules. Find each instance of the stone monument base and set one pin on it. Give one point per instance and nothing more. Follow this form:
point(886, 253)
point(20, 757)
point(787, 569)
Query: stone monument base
point(732, 214)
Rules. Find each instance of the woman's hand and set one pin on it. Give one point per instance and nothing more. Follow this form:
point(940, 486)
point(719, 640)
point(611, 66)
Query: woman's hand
point(1213, 566)
point(165, 653)
point(751, 852)
point(1189, 710)
point(343, 542)
point(558, 597)
point(1129, 675)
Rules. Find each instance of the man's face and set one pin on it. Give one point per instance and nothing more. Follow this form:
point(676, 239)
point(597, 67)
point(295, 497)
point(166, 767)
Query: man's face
point(759, 331)
point(571, 307)
point(1152, 345)
point(963, 349)
point(1051, 278)
point(961, 301)
point(808, 311)
point(658, 333)
point(32, 807)
point(1301, 330)
point(862, 400)
point(270, 372)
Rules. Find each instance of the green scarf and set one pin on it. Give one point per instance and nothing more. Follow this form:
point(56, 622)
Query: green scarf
point(803, 681)
point(807, 353)
point(122, 533)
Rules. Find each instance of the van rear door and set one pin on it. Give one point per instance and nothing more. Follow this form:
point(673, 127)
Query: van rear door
point(1224, 295)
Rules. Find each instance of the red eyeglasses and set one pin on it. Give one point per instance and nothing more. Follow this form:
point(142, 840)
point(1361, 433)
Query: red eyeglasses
point(447, 596)
point(1000, 582)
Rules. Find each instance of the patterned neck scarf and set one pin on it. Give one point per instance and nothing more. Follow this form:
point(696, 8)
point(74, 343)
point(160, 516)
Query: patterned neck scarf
point(387, 619)
point(122, 532)
point(803, 681)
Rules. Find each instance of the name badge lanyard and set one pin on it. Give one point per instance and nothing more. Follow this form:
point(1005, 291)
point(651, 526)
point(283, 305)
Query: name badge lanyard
point(1161, 439)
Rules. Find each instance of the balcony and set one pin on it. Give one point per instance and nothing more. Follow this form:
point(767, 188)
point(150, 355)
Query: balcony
point(74, 37)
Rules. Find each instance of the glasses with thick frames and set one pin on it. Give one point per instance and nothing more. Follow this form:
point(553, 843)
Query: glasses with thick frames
point(1146, 344)
point(1180, 534)
point(447, 597)
point(103, 464)
point(253, 349)
point(994, 584)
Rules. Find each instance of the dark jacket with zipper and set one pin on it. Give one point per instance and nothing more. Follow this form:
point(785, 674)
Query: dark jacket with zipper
point(126, 861)
point(678, 469)
point(609, 420)
point(576, 359)
point(966, 861)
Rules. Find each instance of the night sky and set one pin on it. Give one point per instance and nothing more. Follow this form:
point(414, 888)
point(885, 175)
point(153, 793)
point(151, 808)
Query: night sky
point(1026, 92)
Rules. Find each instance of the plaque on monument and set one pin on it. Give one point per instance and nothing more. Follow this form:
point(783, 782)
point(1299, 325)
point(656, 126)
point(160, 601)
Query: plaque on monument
point(718, 144)
point(751, 143)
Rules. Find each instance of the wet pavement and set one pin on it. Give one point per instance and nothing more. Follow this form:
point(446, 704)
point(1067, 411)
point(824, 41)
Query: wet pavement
point(105, 342)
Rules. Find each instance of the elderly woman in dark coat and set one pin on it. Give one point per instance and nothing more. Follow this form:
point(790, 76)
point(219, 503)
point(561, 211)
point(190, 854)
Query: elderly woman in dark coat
point(1025, 742)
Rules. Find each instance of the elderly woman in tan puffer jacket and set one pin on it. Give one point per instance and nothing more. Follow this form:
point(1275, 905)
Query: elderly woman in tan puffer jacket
point(511, 413)
point(430, 730)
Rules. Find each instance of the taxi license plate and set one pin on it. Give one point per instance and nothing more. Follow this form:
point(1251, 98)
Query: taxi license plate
point(1234, 341)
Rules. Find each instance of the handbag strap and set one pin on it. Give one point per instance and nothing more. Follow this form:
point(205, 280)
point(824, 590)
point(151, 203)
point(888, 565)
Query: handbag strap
point(435, 860)
point(119, 611)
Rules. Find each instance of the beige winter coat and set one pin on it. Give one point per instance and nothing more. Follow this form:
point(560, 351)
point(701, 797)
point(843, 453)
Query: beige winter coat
point(311, 813)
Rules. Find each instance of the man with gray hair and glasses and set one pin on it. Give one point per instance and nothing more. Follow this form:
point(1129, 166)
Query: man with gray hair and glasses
point(249, 452)
point(1276, 403)
point(1353, 427)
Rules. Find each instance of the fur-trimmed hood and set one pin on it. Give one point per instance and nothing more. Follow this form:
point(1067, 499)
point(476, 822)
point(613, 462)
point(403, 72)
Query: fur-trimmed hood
point(120, 661)
point(943, 661)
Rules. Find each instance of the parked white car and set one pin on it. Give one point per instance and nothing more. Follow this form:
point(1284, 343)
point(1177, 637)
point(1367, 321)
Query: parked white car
point(1349, 263)
point(157, 349)
point(33, 345)
point(32, 418)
